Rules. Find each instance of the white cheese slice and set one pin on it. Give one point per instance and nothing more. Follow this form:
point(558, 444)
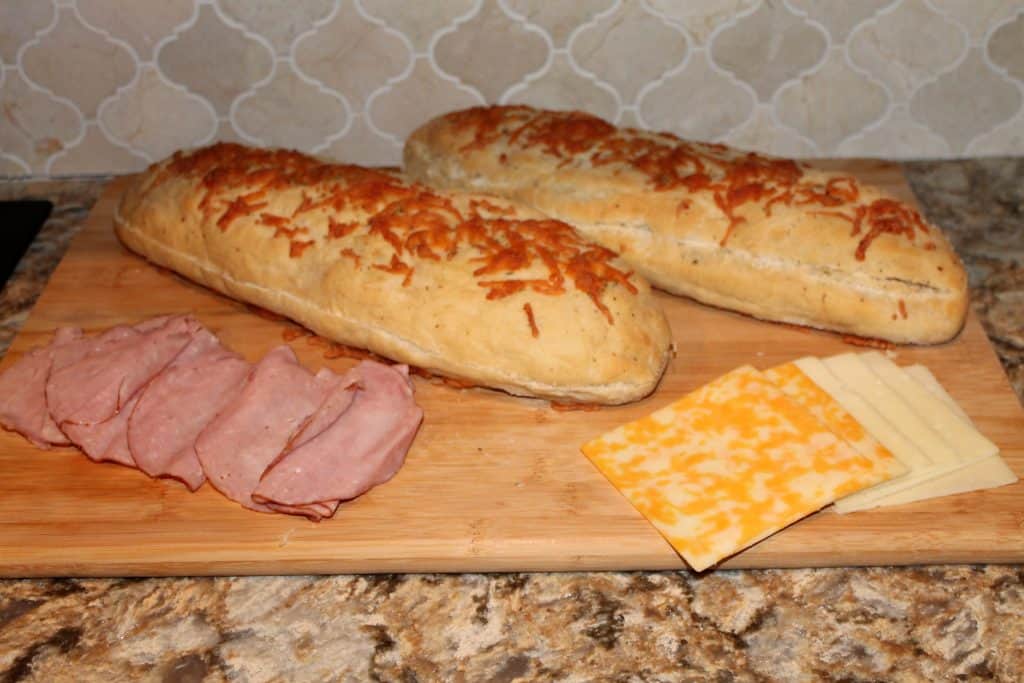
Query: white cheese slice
point(923, 376)
point(967, 443)
point(987, 473)
point(903, 448)
point(870, 414)
point(851, 369)
point(977, 464)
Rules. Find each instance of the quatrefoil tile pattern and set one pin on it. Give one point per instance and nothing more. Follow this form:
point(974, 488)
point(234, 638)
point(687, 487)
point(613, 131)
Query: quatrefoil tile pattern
point(104, 86)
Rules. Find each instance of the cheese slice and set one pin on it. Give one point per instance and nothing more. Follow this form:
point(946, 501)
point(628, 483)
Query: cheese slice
point(864, 412)
point(799, 387)
point(966, 442)
point(923, 376)
point(855, 373)
point(988, 473)
point(728, 465)
point(922, 468)
point(851, 369)
point(903, 410)
point(985, 473)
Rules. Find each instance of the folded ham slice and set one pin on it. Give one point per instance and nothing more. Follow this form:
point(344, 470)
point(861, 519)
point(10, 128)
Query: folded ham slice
point(338, 390)
point(360, 448)
point(23, 406)
point(104, 376)
point(105, 441)
point(92, 382)
point(179, 403)
point(252, 430)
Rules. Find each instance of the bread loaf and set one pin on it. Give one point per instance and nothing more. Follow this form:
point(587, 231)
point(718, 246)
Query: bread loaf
point(768, 237)
point(475, 288)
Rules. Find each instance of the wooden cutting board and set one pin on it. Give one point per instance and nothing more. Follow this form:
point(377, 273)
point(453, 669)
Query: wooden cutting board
point(492, 483)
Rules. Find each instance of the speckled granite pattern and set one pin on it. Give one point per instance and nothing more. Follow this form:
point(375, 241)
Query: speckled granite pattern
point(951, 623)
point(959, 623)
point(72, 200)
point(980, 205)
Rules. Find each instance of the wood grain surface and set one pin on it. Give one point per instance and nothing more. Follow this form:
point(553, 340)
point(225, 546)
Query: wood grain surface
point(492, 483)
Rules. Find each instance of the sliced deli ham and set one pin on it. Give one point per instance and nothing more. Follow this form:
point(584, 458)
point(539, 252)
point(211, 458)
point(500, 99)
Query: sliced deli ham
point(23, 393)
point(111, 371)
point(105, 441)
point(363, 447)
point(339, 391)
point(179, 403)
point(66, 335)
point(314, 512)
point(165, 396)
point(66, 355)
point(252, 430)
point(96, 385)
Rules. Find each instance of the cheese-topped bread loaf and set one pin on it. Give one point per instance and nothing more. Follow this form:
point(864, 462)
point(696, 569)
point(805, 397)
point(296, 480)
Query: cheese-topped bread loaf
point(768, 237)
point(471, 287)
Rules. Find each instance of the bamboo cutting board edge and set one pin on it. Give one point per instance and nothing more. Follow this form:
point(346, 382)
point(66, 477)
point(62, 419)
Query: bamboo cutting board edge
point(522, 499)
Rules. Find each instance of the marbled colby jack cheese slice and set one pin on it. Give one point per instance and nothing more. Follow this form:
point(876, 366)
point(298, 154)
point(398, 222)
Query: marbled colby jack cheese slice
point(728, 465)
point(799, 387)
point(909, 453)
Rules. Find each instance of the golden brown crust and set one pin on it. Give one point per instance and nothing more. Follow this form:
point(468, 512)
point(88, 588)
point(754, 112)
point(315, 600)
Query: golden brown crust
point(466, 286)
point(768, 237)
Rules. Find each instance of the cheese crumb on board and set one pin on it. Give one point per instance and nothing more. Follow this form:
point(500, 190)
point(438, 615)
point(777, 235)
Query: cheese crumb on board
point(728, 465)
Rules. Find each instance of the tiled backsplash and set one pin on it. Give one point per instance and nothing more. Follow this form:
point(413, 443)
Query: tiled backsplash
point(100, 86)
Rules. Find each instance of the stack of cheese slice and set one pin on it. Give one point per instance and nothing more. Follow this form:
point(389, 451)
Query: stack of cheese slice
point(752, 452)
point(911, 415)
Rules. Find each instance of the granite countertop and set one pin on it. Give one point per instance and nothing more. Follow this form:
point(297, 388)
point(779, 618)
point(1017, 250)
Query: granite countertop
point(869, 624)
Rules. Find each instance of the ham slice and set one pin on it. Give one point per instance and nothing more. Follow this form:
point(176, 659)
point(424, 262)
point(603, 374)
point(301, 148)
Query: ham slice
point(90, 384)
point(339, 391)
point(105, 441)
point(314, 512)
point(115, 365)
point(66, 335)
point(363, 447)
point(72, 352)
point(23, 393)
point(252, 430)
point(178, 404)
point(165, 396)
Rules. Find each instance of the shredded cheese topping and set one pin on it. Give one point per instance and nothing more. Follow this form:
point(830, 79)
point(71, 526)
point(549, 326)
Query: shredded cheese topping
point(419, 224)
point(734, 180)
